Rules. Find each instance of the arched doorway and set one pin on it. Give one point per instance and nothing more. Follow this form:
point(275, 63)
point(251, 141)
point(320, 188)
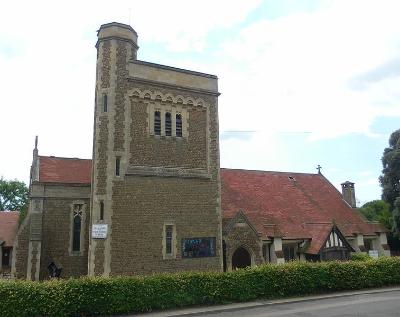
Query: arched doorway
point(241, 258)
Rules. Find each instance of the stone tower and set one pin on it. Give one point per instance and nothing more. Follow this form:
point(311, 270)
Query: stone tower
point(349, 194)
point(155, 181)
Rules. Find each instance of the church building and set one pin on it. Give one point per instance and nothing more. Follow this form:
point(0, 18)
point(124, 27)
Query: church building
point(153, 198)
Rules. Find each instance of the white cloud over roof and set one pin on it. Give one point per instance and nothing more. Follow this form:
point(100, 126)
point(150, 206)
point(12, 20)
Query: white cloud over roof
point(324, 73)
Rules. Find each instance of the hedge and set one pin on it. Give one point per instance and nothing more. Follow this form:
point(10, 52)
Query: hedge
point(122, 295)
point(359, 256)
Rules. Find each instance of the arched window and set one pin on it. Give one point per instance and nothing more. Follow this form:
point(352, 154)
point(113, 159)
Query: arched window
point(179, 125)
point(157, 123)
point(105, 103)
point(76, 229)
point(168, 125)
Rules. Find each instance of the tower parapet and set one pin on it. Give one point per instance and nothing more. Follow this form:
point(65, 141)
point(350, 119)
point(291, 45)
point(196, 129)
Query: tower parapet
point(120, 31)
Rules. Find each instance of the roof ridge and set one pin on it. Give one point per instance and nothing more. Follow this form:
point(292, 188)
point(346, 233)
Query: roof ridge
point(263, 171)
point(337, 191)
point(65, 158)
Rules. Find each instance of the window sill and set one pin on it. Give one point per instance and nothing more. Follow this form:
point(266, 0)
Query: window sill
point(167, 137)
point(76, 253)
point(169, 257)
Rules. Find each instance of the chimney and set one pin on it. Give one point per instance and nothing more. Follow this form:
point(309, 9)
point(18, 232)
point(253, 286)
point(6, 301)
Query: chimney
point(349, 194)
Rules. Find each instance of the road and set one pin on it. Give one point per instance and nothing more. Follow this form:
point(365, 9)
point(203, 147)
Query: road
point(366, 305)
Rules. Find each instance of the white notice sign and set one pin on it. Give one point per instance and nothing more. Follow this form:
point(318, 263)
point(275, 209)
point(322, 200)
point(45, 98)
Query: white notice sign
point(373, 254)
point(99, 231)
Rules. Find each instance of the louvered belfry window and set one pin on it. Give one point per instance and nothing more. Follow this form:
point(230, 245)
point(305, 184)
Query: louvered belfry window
point(157, 123)
point(168, 124)
point(179, 125)
point(117, 166)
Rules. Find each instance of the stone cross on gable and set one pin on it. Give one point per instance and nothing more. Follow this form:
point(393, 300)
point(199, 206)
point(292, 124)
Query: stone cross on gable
point(319, 169)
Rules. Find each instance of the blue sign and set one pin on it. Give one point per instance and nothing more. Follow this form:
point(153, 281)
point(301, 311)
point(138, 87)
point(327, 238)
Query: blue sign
point(198, 247)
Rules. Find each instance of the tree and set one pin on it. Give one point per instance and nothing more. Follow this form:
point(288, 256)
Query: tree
point(13, 195)
point(390, 178)
point(396, 216)
point(378, 210)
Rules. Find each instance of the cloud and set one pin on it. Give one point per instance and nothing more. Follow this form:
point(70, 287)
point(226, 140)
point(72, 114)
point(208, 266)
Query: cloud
point(48, 60)
point(176, 24)
point(184, 25)
point(292, 73)
point(374, 181)
point(255, 152)
point(289, 74)
point(390, 69)
point(236, 135)
point(366, 173)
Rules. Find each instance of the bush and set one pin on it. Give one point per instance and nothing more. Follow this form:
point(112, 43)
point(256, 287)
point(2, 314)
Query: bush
point(119, 295)
point(360, 257)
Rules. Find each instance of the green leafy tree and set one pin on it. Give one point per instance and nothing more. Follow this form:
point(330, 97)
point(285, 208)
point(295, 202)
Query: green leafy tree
point(396, 216)
point(390, 178)
point(13, 195)
point(378, 210)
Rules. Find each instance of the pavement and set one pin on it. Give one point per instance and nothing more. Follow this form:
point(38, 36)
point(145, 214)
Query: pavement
point(237, 307)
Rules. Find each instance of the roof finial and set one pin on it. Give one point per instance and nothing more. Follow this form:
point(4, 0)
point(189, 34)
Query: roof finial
point(36, 142)
point(319, 169)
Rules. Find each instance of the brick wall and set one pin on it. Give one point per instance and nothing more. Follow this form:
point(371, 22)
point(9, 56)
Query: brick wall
point(140, 208)
point(148, 150)
point(99, 258)
point(20, 251)
point(190, 152)
point(56, 238)
point(121, 75)
point(102, 156)
point(105, 64)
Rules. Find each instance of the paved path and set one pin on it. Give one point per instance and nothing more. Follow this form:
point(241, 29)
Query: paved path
point(368, 303)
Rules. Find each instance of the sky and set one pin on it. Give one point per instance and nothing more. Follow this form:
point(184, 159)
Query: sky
point(302, 82)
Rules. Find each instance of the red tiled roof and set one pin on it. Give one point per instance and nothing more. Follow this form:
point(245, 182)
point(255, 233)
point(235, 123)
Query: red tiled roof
point(283, 204)
point(8, 227)
point(64, 170)
point(318, 233)
point(278, 204)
